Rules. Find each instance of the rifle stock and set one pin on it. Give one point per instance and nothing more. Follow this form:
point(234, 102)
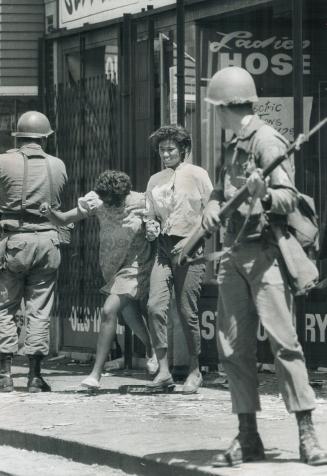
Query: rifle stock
point(199, 234)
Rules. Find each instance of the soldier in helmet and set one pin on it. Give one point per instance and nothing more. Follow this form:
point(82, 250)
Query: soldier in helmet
point(29, 246)
point(252, 284)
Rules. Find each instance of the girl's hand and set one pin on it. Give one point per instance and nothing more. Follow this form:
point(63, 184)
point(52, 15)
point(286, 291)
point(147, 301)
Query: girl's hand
point(152, 230)
point(45, 209)
point(179, 246)
point(90, 202)
point(210, 219)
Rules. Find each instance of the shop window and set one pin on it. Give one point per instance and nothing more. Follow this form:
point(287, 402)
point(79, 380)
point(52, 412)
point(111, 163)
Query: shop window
point(92, 61)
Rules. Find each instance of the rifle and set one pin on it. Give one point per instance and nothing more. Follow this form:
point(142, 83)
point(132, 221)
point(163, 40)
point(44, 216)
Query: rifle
point(196, 238)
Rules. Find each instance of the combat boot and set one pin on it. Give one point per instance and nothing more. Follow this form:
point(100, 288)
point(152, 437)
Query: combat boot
point(6, 381)
point(310, 450)
point(35, 382)
point(247, 446)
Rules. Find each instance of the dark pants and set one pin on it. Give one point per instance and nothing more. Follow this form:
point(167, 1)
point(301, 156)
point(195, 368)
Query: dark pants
point(187, 283)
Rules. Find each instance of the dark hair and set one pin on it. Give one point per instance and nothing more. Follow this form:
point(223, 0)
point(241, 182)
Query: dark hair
point(113, 184)
point(178, 134)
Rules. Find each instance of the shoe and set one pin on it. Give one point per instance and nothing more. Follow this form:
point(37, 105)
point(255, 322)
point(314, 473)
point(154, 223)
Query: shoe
point(6, 384)
point(310, 451)
point(90, 383)
point(152, 364)
point(312, 454)
point(192, 384)
point(241, 450)
point(37, 384)
point(161, 384)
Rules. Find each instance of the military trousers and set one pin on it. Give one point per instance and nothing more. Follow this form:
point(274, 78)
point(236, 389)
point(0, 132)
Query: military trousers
point(28, 273)
point(253, 287)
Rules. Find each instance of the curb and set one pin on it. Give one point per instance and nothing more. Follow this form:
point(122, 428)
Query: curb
point(87, 454)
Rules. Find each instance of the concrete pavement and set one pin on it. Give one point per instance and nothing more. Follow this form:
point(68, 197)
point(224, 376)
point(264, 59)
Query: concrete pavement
point(20, 462)
point(152, 435)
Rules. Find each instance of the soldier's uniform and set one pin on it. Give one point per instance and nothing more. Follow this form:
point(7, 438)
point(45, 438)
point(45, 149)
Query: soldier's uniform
point(29, 252)
point(251, 281)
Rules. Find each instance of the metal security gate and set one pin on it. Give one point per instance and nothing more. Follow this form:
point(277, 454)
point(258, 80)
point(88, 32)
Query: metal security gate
point(86, 116)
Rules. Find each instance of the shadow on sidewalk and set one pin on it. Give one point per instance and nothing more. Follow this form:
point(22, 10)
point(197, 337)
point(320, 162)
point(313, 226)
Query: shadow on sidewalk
point(203, 458)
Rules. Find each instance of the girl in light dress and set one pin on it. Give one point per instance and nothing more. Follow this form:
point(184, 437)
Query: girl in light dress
point(126, 260)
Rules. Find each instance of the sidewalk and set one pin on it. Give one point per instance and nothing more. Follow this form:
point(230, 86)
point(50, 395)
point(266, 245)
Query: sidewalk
point(153, 435)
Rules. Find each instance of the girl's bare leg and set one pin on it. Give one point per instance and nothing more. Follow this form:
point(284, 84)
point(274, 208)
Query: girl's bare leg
point(112, 306)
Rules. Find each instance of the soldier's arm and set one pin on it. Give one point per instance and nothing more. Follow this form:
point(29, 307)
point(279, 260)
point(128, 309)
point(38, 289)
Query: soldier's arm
point(281, 193)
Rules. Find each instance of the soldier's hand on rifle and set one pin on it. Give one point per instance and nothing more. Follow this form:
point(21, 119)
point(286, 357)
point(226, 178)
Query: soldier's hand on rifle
point(257, 185)
point(210, 220)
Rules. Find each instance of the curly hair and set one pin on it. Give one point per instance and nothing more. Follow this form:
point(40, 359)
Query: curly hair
point(113, 185)
point(178, 134)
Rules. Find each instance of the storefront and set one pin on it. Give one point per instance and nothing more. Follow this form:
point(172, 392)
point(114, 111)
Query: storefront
point(116, 79)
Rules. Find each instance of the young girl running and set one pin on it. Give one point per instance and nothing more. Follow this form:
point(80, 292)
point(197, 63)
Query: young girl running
point(126, 260)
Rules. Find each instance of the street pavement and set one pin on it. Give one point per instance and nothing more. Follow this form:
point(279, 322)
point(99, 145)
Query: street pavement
point(167, 434)
point(20, 462)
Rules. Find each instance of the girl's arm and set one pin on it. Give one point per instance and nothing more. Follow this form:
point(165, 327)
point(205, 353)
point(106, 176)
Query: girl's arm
point(87, 206)
point(62, 218)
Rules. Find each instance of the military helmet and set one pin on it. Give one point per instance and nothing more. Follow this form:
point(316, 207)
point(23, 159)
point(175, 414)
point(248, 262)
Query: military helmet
point(33, 124)
point(231, 85)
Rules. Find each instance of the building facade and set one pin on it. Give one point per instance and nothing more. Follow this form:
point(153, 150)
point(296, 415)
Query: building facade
point(112, 75)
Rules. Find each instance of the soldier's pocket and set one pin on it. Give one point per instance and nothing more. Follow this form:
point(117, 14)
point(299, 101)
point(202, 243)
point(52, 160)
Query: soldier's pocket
point(15, 256)
point(54, 255)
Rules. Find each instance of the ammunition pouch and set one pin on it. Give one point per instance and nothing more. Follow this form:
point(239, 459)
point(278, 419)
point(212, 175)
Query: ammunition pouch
point(302, 274)
point(303, 223)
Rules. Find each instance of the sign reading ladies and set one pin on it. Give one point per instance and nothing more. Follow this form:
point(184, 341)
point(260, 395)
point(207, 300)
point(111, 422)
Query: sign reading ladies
point(75, 13)
point(252, 53)
point(264, 50)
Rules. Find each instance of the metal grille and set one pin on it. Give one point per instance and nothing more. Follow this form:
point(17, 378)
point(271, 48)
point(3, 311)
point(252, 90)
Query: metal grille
point(86, 118)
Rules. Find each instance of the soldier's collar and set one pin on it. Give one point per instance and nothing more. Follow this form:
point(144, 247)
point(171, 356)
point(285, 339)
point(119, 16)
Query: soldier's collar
point(242, 140)
point(250, 128)
point(32, 150)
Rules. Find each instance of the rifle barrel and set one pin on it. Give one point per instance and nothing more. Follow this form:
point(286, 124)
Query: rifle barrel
point(317, 127)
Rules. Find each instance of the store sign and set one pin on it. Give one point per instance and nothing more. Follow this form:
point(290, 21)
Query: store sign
point(266, 52)
point(278, 113)
point(76, 13)
point(83, 333)
point(316, 328)
point(243, 48)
